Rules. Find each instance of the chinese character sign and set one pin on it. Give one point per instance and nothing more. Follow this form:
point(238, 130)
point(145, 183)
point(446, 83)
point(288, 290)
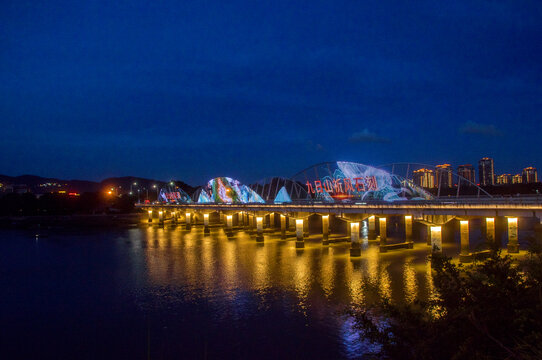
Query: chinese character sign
point(346, 181)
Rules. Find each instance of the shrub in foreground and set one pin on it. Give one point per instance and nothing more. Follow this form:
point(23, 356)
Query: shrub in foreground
point(488, 310)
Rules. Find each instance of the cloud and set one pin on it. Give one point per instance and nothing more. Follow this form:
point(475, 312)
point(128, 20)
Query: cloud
point(366, 136)
point(471, 127)
point(311, 146)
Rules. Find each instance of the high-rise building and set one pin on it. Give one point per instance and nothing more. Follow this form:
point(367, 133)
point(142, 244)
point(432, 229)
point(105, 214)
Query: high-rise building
point(504, 179)
point(424, 178)
point(486, 172)
point(467, 171)
point(443, 176)
point(530, 175)
point(517, 179)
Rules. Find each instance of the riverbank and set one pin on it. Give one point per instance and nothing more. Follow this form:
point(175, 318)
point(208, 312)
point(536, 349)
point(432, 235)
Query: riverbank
point(69, 221)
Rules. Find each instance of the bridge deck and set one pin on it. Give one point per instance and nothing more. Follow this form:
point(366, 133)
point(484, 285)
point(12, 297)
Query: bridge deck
point(521, 206)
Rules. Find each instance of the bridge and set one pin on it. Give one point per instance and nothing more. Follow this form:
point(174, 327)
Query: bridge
point(347, 202)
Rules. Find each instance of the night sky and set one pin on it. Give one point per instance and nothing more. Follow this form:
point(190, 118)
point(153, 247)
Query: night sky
point(196, 89)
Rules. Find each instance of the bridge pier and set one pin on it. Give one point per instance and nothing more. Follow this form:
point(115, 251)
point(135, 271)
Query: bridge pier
point(428, 235)
point(325, 229)
point(408, 228)
point(513, 245)
point(490, 230)
point(206, 230)
point(253, 226)
point(383, 233)
point(150, 216)
point(436, 238)
point(371, 235)
point(299, 242)
point(160, 217)
point(272, 221)
point(259, 229)
point(282, 226)
point(465, 255)
point(188, 221)
point(229, 225)
point(355, 247)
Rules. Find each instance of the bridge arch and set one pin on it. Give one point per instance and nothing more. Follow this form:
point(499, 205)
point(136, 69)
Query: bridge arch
point(344, 182)
point(225, 190)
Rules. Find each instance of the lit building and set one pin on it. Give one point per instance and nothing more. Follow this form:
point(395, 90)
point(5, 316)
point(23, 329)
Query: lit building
point(517, 179)
point(504, 179)
point(486, 171)
point(530, 175)
point(424, 178)
point(467, 171)
point(444, 176)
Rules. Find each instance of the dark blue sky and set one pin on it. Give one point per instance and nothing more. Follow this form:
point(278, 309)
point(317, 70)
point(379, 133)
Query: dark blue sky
point(196, 89)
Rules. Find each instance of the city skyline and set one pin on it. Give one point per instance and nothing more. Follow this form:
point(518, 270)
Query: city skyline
point(462, 170)
point(443, 175)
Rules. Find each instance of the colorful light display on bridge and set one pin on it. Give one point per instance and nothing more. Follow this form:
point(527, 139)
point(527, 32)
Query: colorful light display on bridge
point(172, 195)
point(346, 181)
point(339, 182)
point(225, 190)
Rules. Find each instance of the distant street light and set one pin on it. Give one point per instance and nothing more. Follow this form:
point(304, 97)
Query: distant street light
point(156, 187)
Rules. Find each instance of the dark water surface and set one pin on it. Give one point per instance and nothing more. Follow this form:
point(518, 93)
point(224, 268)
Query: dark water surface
point(157, 293)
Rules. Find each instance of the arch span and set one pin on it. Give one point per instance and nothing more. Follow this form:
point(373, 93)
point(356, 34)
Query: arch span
point(343, 181)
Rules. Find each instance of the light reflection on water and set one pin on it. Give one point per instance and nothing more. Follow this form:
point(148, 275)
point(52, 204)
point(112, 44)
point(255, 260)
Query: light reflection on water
point(179, 294)
point(316, 282)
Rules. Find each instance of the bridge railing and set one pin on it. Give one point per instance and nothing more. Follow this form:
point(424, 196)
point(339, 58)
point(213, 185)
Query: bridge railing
point(505, 200)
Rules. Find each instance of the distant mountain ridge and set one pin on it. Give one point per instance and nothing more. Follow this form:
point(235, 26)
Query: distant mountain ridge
point(36, 184)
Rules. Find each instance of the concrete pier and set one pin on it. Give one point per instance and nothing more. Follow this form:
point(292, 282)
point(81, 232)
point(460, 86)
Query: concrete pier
point(206, 230)
point(300, 242)
point(490, 229)
point(408, 228)
point(188, 221)
point(436, 238)
point(282, 226)
point(428, 235)
point(383, 233)
point(325, 229)
point(465, 256)
point(259, 229)
point(513, 245)
point(272, 221)
point(372, 227)
point(160, 217)
point(355, 247)
point(229, 225)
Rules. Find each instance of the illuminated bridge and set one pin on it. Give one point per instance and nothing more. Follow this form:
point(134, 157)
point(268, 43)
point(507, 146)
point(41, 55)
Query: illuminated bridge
point(344, 201)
